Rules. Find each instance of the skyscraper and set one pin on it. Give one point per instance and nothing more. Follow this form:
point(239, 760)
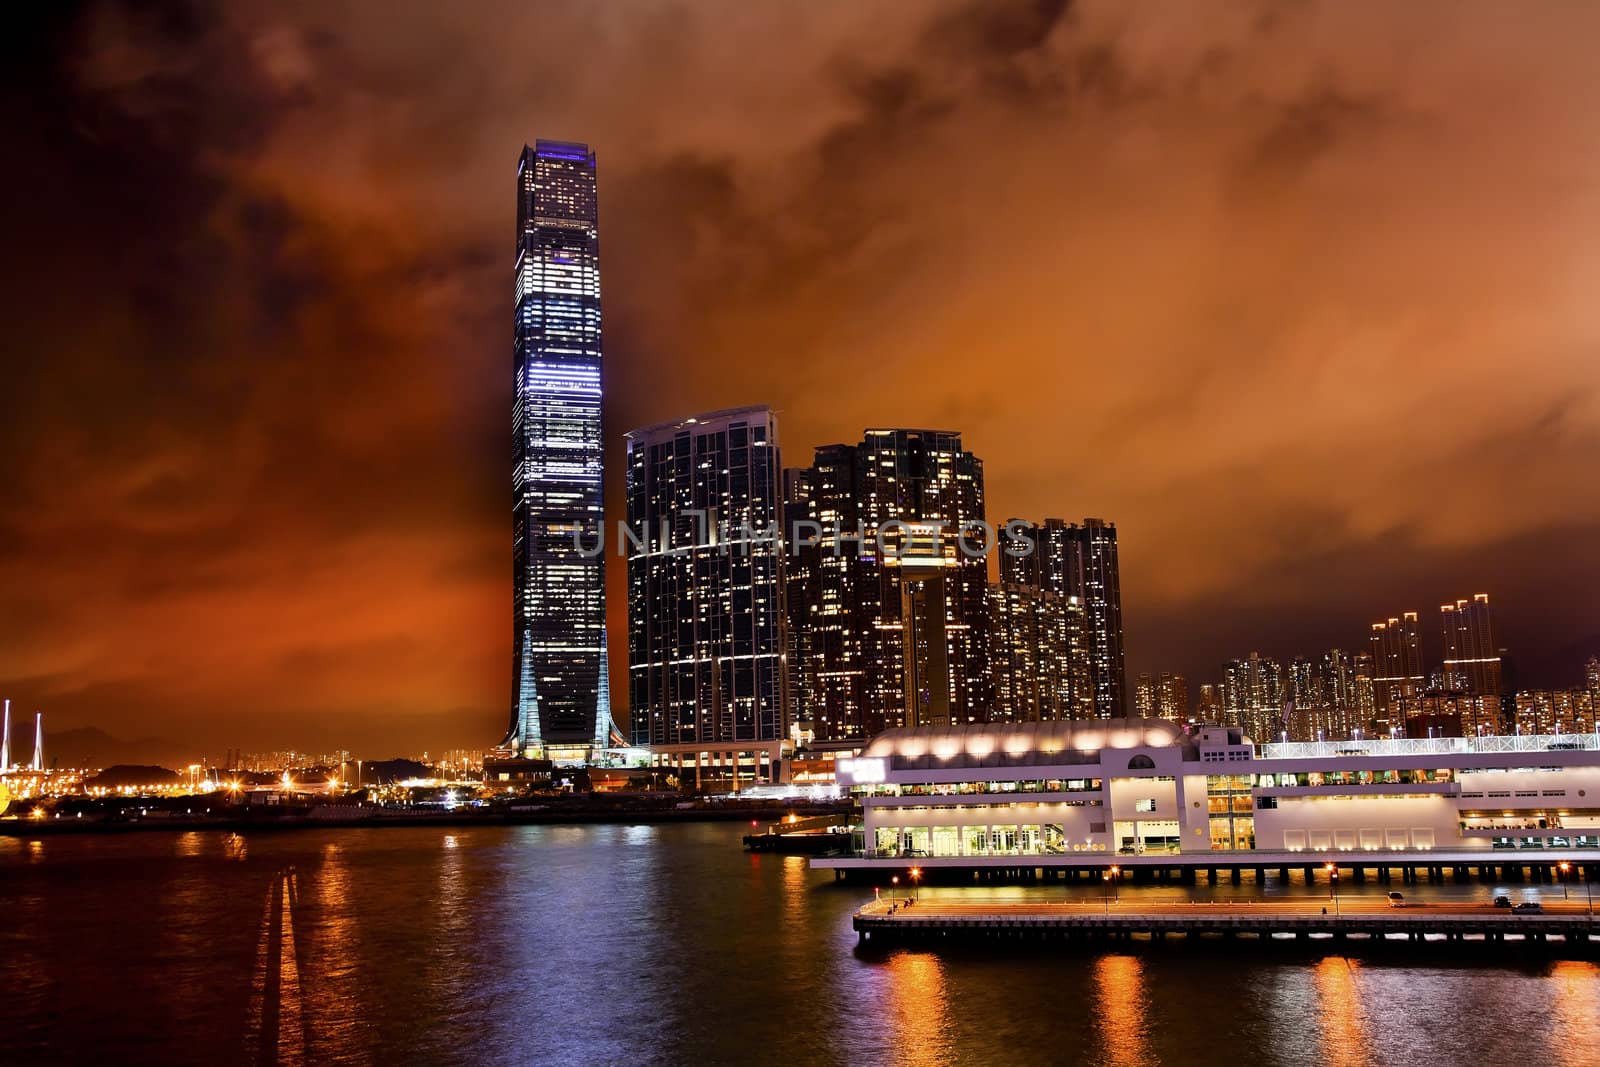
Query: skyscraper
point(1172, 697)
point(1081, 561)
point(1366, 695)
point(1145, 700)
point(1038, 655)
point(1471, 652)
point(895, 605)
point(824, 608)
point(1253, 696)
point(1397, 679)
point(1162, 696)
point(1342, 710)
point(559, 707)
point(706, 582)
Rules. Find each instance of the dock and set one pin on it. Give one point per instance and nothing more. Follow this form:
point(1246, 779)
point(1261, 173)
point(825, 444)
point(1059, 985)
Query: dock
point(817, 835)
point(1370, 920)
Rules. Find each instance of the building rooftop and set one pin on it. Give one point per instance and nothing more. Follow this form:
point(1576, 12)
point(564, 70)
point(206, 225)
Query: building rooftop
point(752, 411)
point(1019, 744)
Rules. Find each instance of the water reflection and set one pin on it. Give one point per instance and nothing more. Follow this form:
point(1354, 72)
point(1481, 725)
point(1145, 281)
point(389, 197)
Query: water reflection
point(330, 920)
point(917, 1008)
point(796, 885)
point(189, 844)
point(1124, 1011)
point(453, 905)
point(1575, 1011)
point(275, 1031)
point(1343, 1030)
point(665, 945)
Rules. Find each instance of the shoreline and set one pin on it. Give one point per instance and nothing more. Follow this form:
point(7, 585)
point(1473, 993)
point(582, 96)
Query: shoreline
point(760, 811)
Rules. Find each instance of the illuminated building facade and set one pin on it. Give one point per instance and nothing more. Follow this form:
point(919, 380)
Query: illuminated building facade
point(1039, 655)
point(1556, 711)
point(560, 707)
point(1325, 697)
point(826, 630)
point(1162, 696)
point(895, 621)
point(706, 643)
point(1253, 695)
point(1471, 651)
point(1084, 793)
point(1397, 681)
point(1080, 561)
point(1446, 713)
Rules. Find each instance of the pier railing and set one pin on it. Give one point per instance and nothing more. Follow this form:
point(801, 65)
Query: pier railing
point(1424, 746)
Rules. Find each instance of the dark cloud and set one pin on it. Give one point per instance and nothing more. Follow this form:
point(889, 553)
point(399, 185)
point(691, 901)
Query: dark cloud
point(1295, 293)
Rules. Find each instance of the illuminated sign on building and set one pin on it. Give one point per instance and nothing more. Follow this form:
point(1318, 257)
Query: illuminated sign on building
point(862, 770)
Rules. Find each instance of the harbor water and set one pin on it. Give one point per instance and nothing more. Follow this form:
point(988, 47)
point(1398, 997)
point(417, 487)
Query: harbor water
point(670, 945)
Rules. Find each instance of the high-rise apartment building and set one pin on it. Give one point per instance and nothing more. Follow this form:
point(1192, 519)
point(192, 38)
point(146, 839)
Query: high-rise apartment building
point(1253, 696)
point(559, 706)
point(706, 580)
point(1162, 696)
point(1080, 561)
point(1366, 694)
point(1471, 651)
point(1559, 711)
point(894, 623)
point(826, 630)
point(1398, 680)
point(1328, 697)
point(1341, 705)
point(1591, 674)
point(1039, 656)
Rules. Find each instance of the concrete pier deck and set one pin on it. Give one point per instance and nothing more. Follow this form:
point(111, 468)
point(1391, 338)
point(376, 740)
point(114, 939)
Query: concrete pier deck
point(1368, 919)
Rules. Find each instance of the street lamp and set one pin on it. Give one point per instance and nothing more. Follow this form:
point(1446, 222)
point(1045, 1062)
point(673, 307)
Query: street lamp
point(916, 873)
point(1111, 876)
point(1565, 867)
point(1333, 886)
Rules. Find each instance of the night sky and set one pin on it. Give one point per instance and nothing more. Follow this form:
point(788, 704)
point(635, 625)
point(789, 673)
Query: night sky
point(1301, 295)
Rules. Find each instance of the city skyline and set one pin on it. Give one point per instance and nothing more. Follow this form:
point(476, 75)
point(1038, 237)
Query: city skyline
point(1242, 308)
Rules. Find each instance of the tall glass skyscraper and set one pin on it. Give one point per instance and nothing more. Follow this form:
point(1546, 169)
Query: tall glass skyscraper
point(559, 705)
point(706, 581)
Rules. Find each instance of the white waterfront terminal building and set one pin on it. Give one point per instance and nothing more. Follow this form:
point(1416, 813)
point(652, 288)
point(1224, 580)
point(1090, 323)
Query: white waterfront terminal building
point(1144, 791)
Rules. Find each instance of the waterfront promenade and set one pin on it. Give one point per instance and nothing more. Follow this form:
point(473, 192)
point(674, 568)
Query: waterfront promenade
point(1367, 919)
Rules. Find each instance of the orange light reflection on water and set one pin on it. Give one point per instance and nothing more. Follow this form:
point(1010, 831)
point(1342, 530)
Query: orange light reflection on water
point(918, 1006)
point(1123, 1010)
point(1575, 1011)
point(1344, 1033)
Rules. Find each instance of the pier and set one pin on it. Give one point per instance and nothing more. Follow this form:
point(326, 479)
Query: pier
point(1553, 867)
point(906, 920)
